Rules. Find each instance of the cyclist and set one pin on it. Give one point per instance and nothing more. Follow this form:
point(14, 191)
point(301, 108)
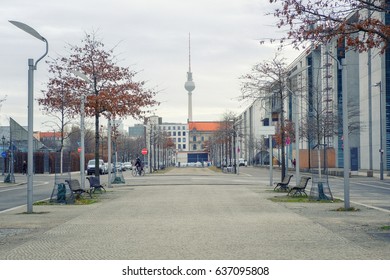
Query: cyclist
point(139, 165)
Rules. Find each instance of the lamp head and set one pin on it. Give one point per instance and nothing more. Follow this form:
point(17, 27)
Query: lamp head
point(28, 29)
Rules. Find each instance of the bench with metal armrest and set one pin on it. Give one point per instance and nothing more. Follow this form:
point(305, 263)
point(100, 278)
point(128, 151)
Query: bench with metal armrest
point(94, 184)
point(75, 187)
point(300, 188)
point(283, 186)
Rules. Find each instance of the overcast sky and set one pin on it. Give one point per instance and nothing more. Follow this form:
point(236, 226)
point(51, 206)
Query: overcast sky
point(152, 37)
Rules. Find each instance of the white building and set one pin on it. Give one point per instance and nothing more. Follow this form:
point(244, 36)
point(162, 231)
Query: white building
point(162, 136)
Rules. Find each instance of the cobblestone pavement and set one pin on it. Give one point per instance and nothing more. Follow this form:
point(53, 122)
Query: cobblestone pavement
point(198, 220)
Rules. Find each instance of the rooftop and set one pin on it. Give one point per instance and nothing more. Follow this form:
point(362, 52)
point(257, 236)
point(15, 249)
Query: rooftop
point(204, 126)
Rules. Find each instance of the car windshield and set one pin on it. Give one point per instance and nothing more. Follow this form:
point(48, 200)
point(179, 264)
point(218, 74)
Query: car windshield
point(92, 161)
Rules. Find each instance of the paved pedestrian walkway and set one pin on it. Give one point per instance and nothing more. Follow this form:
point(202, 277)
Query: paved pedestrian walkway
point(196, 221)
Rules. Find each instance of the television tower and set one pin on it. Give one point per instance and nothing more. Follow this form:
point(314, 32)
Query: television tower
point(189, 85)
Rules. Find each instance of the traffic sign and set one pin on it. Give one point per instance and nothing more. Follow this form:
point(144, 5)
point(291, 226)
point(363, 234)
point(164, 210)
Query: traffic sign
point(4, 154)
point(144, 151)
point(267, 130)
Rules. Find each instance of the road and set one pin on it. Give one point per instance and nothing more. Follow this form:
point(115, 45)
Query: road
point(189, 214)
point(370, 192)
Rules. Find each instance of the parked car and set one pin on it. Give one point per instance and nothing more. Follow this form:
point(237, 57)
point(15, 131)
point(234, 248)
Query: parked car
point(91, 167)
point(242, 162)
point(116, 167)
point(122, 166)
point(128, 166)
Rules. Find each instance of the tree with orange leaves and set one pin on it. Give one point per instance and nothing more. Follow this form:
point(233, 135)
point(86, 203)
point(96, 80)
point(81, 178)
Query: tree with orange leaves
point(112, 91)
point(323, 20)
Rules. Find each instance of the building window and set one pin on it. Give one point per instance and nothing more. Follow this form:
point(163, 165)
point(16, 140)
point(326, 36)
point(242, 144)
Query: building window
point(173, 127)
point(178, 127)
point(184, 140)
point(194, 147)
point(178, 133)
point(202, 138)
point(184, 128)
point(178, 139)
point(174, 133)
point(184, 146)
point(194, 138)
point(184, 133)
point(179, 146)
point(169, 128)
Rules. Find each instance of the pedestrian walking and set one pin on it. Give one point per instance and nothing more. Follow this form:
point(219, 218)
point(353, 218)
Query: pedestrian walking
point(24, 171)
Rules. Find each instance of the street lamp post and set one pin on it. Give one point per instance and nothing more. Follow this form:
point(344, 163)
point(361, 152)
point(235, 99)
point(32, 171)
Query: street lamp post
point(82, 129)
point(31, 68)
point(347, 162)
point(109, 153)
point(379, 84)
point(342, 66)
point(3, 140)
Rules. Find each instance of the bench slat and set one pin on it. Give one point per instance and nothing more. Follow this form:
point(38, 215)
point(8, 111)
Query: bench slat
point(75, 187)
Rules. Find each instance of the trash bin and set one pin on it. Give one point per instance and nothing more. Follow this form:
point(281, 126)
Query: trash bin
point(61, 193)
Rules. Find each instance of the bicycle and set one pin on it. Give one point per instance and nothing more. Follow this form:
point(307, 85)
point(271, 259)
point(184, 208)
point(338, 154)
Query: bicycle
point(137, 172)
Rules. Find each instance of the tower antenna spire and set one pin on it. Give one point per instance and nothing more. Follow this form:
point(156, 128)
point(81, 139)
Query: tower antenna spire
point(189, 51)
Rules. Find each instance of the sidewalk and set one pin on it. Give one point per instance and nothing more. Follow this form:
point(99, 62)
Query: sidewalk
point(20, 179)
point(193, 221)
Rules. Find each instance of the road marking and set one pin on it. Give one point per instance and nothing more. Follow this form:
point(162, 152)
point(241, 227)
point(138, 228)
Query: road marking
point(366, 205)
point(377, 187)
point(16, 188)
point(10, 209)
point(23, 187)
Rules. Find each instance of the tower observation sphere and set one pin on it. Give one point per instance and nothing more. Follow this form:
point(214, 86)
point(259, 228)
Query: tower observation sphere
point(189, 85)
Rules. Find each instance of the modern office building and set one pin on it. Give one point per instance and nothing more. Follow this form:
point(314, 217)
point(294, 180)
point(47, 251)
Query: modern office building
point(137, 131)
point(316, 87)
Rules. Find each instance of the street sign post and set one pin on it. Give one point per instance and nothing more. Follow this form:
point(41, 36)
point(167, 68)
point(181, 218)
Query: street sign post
point(267, 130)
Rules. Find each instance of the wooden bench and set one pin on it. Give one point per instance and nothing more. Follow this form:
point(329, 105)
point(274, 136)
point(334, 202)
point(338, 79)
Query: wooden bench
point(76, 189)
point(300, 188)
point(94, 184)
point(283, 186)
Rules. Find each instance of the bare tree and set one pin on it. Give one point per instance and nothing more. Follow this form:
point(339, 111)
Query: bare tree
point(268, 81)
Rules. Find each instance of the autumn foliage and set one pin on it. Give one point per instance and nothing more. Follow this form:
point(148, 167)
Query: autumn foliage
point(357, 22)
point(111, 90)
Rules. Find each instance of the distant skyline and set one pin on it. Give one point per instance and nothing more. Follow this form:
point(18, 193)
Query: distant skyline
point(149, 36)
